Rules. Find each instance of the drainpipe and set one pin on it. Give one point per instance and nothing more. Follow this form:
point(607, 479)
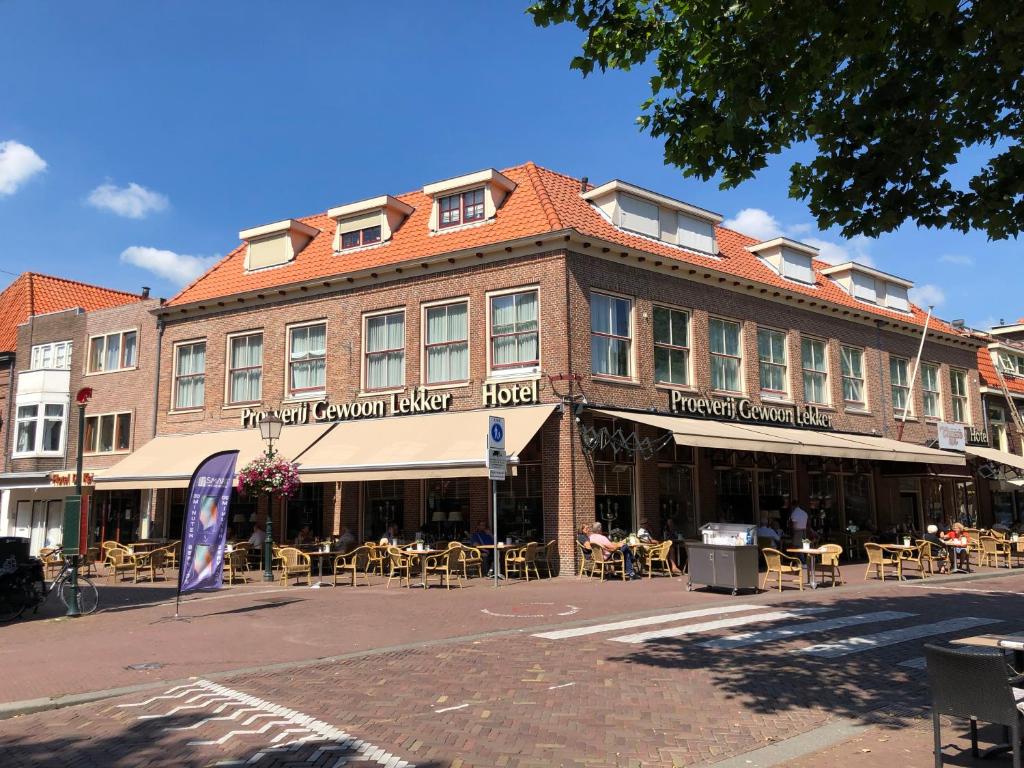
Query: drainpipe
point(6, 450)
point(151, 512)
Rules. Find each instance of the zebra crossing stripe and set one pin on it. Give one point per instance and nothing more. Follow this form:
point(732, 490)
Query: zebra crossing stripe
point(853, 645)
point(648, 621)
point(805, 628)
point(711, 626)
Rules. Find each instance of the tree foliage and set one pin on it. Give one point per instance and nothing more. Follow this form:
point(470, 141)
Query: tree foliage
point(891, 92)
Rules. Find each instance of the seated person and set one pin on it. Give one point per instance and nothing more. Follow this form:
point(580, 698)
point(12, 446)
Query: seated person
point(932, 537)
point(765, 531)
point(957, 537)
point(482, 537)
point(346, 542)
point(258, 535)
point(305, 537)
point(598, 538)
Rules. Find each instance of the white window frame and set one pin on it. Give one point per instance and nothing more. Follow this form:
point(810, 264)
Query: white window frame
point(35, 360)
point(229, 341)
point(935, 393)
point(630, 357)
point(40, 418)
point(425, 343)
point(517, 369)
point(121, 366)
point(93, 448)
point(174, 378)
point(686, 349)
point(784, 365)
point(963, 399)
point(365, 354)
point(712, 355)
point(893, 386)
point(858, 405)
point(302, 393)
point(805, 371)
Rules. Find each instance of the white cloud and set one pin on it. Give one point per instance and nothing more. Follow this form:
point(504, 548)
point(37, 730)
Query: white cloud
point(755, 222)
point(176, 267)
point(18, 164)
point(132, 202)
point(927, 295)
point(855, 249)
point(957, 258)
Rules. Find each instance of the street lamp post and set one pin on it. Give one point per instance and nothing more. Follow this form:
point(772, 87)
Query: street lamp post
point(270, 430)
point(82, 398)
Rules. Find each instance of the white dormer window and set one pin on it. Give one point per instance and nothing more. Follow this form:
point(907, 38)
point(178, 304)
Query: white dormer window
point(275, 244)
point(368, 222)
point(864, 287)
point(896, 297)
point(460, 209)
point(790, 259)
point(871, 285)
point(469, 199)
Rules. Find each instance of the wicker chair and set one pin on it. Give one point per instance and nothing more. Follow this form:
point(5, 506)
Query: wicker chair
point(992, 549)
point(878, 558)
point(975, 684)
point(109, 546)
point(471, 558)
point(445, 565)
point(548, 558)
point(148, 563)
point(119, 560)
point(781, 565)
point(295, 562)
point(913, 557)
point(52, 560)
point(603, 561)
point(356, 562)
point(236, 565)
point(585, 558)
point(829, 563)
point(399, 566)
point(521, 560)
point(931, 554)
point(973, 545)
point(87, 564)
point(376, 558)
point(658, 559)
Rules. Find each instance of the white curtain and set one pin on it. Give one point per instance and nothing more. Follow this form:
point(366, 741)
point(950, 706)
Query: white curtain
point(853, 375)
point(247, 368)
point(308, 357)
point(514, 329)
point(27, 415)
point(725, 340)
point(130, 349)
point(191, 376)
point(112, 358)
point(447, 335)
point(385, 347)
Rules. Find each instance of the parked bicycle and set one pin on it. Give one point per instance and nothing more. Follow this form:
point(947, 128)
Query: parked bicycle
point(23, 586)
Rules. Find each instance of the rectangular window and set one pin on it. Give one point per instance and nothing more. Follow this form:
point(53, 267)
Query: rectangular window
point(447, 343)
point(39, 429)
point(385, 351)
point(671, 346)
point(814, 356)
point(56, 355)
point(726, 360)
point(365, 236)
point(899, 380)
point(113, 352)
point(460, 208)
point(307, 358)
point(514, 339)
point(958, 390)
point(853, 376)
point(245, 368)
point(611, 335)
point(930, 390)
point(190, 375)
point(25, 442)
point(771, 350)
point(108, 432)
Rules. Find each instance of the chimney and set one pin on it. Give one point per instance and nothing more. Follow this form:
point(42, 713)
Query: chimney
point(584, 184)
point(145, 291)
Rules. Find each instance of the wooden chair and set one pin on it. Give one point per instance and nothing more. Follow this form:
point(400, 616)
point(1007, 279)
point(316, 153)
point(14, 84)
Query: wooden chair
point(913, 557)
point(602, 561)
point(119, 560)
point(148, 563)
point(992, 549)
point(356, 562)
point(521, 560)
point(109, 546)
point(781, 565)
point(52, 561)
point(658, 559)
point(974, 546)
point(471, 558)
point(878, 559)
point(173, 554)
point(445, 565)
point(829, 563)
point(295, 562)
point(585, 558)
point(399, 566)
point(236, 565)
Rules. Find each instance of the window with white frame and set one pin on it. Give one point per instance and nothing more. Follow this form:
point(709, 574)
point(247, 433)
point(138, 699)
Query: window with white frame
point(931, 395)
point(245, 368)
point(852, 361)
point(55, 355)
point(514, 331)
point(461, 208)
point(671, 346)
point(447, 343)
point(771, 350)
point(814, 359)
point(108, 432)
point(1011, 363)
point(39, 428)
point(190, 375)
point(958, 390)
point(726, 359)
point(611, 335)
point(385, 350)
point(899, 381)
point(307, 359)
point(113, 351)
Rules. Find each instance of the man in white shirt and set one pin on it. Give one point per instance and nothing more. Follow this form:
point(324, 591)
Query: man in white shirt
point(258, 536)
point(797, 524)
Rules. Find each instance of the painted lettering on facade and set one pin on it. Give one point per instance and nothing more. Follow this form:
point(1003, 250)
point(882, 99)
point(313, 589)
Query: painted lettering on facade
point(742, 409)
point(419, 400)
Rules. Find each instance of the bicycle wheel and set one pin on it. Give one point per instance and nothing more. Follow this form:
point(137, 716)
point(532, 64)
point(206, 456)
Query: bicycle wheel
point(88, 596)
point(12, 605)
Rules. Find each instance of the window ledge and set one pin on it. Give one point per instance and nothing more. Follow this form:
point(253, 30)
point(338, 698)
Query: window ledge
point(598, 378)
point(857, 411)
point(669, 386)
point(819, 406)
point(380, 392)
point(106, 453)
point(462, 227)
point(239, 406)
point(909, 418)
point(176, 411)
point(512, 374)
point(445, 385)
point(38, 455)
point(305, 396)
point(768, 397)
point(115, 370)
point(725, 393)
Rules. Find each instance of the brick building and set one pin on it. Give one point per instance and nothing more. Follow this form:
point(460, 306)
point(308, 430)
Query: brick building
point(650, 364)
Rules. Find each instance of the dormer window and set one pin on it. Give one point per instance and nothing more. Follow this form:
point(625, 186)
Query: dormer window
point(462, 208)
point(365, 236)
point(469, 199)
point(275, 244)
point(368, 222)
point(871, 285)
point(790, 259)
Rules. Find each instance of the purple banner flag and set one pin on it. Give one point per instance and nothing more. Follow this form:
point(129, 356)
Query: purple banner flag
point(204, 532)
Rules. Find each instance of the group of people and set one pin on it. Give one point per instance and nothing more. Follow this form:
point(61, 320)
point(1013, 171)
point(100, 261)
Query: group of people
point(798, 523)
point(591, 535)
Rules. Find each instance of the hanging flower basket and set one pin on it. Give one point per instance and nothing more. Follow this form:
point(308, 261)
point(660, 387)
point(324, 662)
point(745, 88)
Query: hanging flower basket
point(268, 475)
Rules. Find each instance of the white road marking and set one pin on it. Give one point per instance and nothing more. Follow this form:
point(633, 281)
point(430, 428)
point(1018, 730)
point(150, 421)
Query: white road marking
point(805, 628)
point(449, 709)
point(918, 662)
point(853, 645)
point(188, 689)
point(563, 685)
point(711, 626)
point(594, 629)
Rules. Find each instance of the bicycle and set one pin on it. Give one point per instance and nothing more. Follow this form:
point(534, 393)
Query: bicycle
point(23, 586)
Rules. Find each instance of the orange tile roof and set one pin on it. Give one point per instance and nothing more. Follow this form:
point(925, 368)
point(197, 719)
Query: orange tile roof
point(34, 294)
point(544, 201)
point(989, 378)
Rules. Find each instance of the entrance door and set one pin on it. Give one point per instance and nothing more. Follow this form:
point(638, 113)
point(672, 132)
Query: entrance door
point(910, 511)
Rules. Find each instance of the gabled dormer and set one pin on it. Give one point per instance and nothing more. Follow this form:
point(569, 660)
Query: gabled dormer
point(367, 222)
point(871, 285)
point(788, 258)
point(663, 218)
point(467, 200)
point(274, 244)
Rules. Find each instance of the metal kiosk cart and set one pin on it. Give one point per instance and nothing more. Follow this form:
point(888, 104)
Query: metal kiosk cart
point(725, 559)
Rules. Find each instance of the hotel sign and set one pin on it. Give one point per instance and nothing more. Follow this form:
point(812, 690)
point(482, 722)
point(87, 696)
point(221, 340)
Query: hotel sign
point(742, 409)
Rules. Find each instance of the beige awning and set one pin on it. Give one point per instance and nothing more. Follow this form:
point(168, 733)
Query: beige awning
point(424, 446)
point(168, 461)
point(706, 433)
point(993, 454)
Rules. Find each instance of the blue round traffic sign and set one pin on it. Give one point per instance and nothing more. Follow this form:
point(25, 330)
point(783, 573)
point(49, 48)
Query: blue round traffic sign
point(497, 432)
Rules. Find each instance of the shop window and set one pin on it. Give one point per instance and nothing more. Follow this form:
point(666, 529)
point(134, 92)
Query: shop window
point(384, 506)
point(671, 346)
point(307, 359)
point(726, 360)
point(190, 375)
point(733, 490)
point(39, 429)
point(613, 496)
point(521, 503)
point(966, 503)
point(675, 501)
point(958, 390)
point(611, 335)
point(447, 508)
point(771, 350)
point(823, 505)
point(243, 519)
point(857, 502)
point(108, 432)
point(514, 337)
point(245, 368)
point(113, 352)
point(934, 512)
point(814, 356)
point(899, 380)
point(385, 350)
point(447, 343)
point(306, 509)
point(853, 376)
point(930, 390)
point(56, 356)
point(774, 491)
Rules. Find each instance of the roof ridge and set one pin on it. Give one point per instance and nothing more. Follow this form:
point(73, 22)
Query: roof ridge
point(45, 276)
point(541, 190)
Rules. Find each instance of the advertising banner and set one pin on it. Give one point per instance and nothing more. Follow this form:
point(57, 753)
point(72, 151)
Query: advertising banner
point(206, 523)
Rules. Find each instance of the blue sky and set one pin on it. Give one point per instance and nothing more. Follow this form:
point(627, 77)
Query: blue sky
point(230, 114)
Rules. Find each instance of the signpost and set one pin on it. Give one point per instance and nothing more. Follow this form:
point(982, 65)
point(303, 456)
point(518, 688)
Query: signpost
point(497, 461)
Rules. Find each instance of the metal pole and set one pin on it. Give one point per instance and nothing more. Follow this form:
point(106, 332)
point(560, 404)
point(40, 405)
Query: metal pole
point(494, 529)
point(913, 376)
point(73, 609)
point(268, 541)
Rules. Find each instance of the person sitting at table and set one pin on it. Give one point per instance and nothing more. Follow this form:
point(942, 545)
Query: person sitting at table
point(957, 537)
point(765, 531)
point(346, 541)
point(482, 538)
point(598, 538)
point(258, 535)
point(932, 537)
point(391, 534)
point(305, 537)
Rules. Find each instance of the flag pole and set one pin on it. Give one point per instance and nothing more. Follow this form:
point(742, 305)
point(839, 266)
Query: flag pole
point(913, 376)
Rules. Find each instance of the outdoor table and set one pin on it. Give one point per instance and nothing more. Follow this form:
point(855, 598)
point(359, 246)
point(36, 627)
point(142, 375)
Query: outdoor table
point(1013, 643)
point(812, 579)
point(143, 547)
point(497, 555)
point(319, 556)
point(953, 567)
point(421, 556)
